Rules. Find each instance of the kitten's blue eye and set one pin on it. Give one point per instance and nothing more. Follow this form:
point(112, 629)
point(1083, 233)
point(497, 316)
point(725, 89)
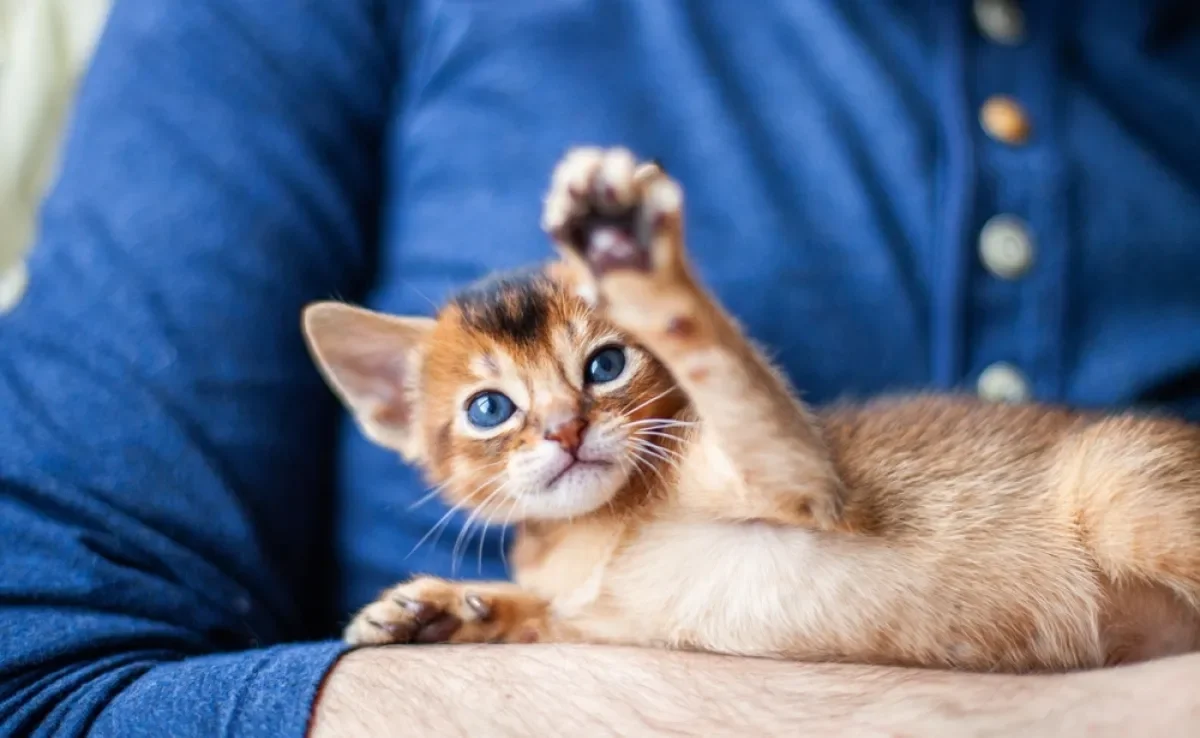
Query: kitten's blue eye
point(489, 409)
point(605, 365)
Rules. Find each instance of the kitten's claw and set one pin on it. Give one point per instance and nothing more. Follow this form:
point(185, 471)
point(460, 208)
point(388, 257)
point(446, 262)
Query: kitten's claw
point(613, 213)
point(425, 610)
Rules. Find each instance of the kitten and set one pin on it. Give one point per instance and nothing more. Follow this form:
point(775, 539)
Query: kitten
point(670, 489)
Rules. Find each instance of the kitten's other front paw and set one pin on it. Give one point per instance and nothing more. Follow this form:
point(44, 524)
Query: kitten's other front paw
point(424, 610)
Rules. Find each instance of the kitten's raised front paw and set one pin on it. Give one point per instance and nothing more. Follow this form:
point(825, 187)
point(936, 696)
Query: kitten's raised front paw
point(612, 212)
point(619, 225)
point(424, 610)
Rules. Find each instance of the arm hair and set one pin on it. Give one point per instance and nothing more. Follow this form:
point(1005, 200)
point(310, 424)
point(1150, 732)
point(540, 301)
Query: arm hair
point(499, 691)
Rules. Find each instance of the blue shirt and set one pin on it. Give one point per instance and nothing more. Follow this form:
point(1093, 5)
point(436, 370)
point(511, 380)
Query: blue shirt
point(184, 516)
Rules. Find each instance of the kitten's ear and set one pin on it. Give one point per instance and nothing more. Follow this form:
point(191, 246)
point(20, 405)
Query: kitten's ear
point(373, 363)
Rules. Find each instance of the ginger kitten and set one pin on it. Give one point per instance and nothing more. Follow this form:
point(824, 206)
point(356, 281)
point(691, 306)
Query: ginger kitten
point(670, 489)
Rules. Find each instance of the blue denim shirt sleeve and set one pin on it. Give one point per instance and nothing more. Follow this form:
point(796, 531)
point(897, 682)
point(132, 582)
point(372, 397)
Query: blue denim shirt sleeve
point(165, 448)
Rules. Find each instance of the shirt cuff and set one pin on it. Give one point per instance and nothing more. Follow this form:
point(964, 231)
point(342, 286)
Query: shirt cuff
point(267, 692)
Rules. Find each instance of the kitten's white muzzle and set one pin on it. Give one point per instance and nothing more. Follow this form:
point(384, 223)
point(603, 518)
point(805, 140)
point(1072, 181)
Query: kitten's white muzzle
point(548, 482)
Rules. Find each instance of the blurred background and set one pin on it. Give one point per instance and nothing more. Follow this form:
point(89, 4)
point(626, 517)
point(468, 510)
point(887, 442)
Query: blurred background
point(44, 47)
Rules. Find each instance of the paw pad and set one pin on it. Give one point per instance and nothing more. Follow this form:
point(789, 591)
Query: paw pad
point(609, 211)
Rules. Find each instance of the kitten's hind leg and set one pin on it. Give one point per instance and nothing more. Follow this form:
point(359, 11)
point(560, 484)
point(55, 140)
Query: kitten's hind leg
point(1131, 487)
point(620, 225)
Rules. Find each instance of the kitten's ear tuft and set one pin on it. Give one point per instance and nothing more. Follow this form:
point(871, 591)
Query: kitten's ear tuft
point(372, 362)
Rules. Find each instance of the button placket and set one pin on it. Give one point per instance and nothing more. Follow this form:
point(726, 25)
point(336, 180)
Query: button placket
point(1017, 292)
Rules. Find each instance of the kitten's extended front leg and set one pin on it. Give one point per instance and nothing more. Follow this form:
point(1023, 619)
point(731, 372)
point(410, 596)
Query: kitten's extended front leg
point(431, 610)
point(619, 226)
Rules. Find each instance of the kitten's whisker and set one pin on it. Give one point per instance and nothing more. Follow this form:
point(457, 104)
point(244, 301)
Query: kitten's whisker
point(454, 551)
point(669, 419)
point(426, 497)
point(657, 451)
point(659, 430)
point(503, 536)
point(482, 540)
point(655, 463)
point(657, 472)
point(465, 531)
point(487, 521)
point(659, 423)
point(445, 519)
point(659, 396)
point(521, 515)
point(674, 452)
point(512, 508)
point(424, 297)
point(440, 527)
point(436, 526)
point(641, 460)
point(437, 539)
point(659, 434)
point(667, 454)
point(454, 478)
point(634, 454)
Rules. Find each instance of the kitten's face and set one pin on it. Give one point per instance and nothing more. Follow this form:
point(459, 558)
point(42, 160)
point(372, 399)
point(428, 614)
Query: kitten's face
point(518, 400)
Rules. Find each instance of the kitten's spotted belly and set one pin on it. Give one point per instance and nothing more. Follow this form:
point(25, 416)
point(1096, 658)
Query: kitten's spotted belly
point(757, 590)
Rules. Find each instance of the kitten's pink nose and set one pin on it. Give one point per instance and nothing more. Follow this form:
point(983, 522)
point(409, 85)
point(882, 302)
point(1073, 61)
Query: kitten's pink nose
point(567, 433)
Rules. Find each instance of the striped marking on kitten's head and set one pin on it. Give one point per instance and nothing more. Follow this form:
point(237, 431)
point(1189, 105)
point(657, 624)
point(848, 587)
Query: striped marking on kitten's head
point(518, 400)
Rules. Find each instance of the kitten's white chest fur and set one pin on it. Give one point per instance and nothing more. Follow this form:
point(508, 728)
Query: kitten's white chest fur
point(755, 589)
point(750, 588)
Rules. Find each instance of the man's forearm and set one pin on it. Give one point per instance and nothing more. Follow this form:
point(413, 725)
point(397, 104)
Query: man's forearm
point(555, 690)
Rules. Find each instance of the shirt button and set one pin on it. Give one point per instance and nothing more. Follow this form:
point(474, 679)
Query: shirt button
point(1002, 382)
point(1004, 120)
point(1005, 246)
point(13, 282)
point(1000, 21)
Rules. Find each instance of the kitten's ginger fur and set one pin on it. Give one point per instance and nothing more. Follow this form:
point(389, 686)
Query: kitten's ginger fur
point(711, 510)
